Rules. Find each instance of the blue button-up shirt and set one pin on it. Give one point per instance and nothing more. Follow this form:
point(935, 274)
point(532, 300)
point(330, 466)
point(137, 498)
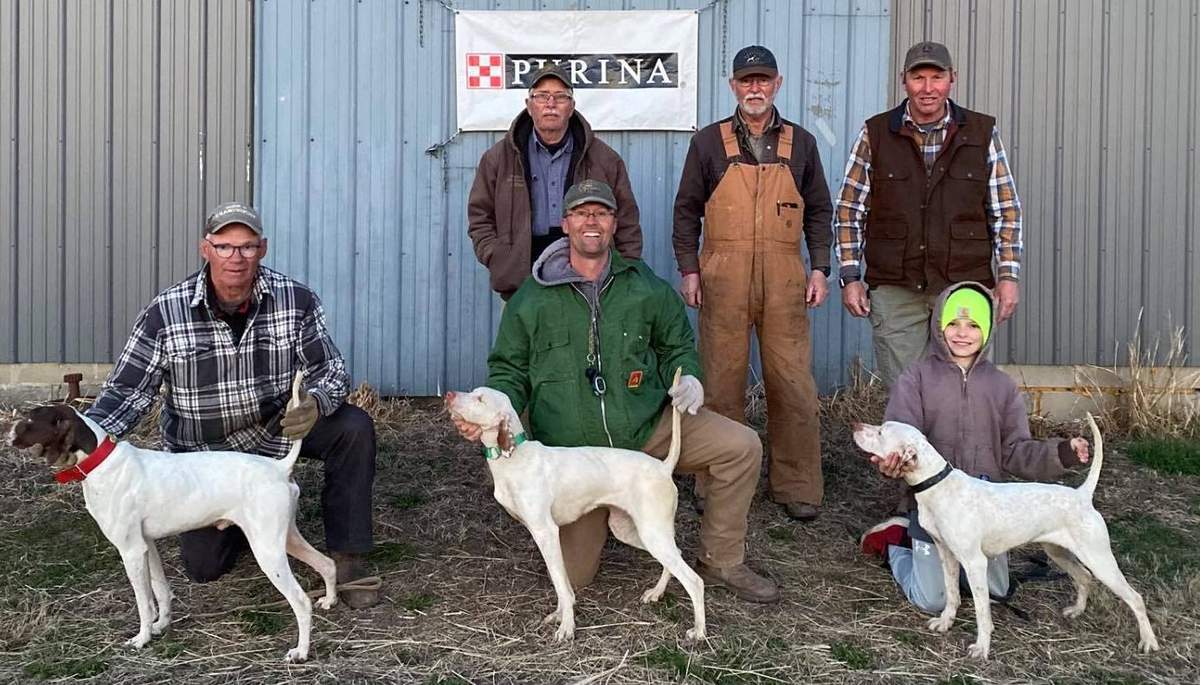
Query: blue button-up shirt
point(548, 175)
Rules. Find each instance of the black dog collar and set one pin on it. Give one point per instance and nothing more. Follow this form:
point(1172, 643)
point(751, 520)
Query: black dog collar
point(932, 481)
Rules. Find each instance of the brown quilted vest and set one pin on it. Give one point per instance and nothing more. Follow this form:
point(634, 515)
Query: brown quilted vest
point(926, 231)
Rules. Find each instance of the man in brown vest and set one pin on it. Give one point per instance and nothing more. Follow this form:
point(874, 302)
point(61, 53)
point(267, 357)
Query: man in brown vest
point(928, 200)
point(756, 179)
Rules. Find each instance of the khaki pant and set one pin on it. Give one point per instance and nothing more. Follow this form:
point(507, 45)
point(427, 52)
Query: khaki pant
point(899, 328)
point(726, 452)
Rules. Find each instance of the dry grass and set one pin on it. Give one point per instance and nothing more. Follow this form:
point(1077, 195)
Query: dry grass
point(465, 590)
point(1158, 399)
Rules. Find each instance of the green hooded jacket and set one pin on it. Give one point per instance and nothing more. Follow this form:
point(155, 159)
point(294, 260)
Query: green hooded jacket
point(541, 354)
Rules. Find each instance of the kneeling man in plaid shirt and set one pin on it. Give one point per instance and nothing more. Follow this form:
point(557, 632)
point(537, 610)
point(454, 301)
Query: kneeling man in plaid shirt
point(227, 341)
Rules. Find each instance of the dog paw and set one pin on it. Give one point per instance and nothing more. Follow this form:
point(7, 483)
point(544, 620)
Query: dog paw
point(695, 634)
point(552, 617)
point(296, 655)
point(650, 596)
point(138, 641)
point(941, 624)
point(565, 632)
point(327, 602)
point(1148, 645)
point(978, 651)
point(159, 627)
point(1072, 611)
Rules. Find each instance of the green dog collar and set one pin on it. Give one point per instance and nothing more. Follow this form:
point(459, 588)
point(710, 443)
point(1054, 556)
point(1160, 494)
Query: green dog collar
point(494, 452)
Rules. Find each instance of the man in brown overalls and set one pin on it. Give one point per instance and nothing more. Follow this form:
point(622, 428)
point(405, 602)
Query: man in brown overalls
point(756, 179)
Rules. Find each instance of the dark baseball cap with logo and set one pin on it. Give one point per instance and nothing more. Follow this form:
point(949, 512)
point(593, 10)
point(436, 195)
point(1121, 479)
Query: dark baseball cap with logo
point(550, 70)
point(754, 59)
point(229, 213)
point(589, 190)
point(928, 54)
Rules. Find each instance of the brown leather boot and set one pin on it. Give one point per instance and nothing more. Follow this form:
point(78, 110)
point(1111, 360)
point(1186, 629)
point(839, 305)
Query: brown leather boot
point(351, 567)
point(801, 511)
point(740, 580)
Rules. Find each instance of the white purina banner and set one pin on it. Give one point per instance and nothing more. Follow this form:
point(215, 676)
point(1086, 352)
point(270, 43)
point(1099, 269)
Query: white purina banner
point(632, 70)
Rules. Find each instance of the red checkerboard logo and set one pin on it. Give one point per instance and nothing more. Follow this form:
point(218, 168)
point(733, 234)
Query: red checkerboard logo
point(485, 70)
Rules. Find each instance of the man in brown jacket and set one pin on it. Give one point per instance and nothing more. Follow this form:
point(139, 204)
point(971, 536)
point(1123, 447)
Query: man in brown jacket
point(515, 205)
point(756, 180)
point(927, 200)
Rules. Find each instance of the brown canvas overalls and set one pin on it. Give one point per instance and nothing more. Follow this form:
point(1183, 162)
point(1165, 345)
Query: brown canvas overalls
point(752, 274)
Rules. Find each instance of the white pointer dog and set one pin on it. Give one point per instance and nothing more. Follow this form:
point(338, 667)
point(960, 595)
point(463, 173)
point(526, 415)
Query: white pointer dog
point(971, 519)
point(137, 496)
point(547, 487)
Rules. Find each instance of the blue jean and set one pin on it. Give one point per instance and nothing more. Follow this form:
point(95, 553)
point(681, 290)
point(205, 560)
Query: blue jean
point(918, 571)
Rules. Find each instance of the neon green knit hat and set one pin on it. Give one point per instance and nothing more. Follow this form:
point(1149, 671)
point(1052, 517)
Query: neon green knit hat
point(971, 304)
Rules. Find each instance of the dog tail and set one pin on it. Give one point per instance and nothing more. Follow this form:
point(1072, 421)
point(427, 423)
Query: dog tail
point(673, 452)
point(294, 451)
point(1093, 477)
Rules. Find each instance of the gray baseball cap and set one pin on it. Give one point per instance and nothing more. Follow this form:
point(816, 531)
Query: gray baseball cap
point(551, 70)
point(928, 54)
point(589, 190)
point(228, 213)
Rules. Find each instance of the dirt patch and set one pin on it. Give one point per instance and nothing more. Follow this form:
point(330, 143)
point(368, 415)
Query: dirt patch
point(465, 590)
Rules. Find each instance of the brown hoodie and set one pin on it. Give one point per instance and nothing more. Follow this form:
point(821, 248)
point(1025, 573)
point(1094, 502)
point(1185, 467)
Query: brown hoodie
point(975, 418)
point(499, 211)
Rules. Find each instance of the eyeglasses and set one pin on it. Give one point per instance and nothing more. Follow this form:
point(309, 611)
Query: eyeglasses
point(545, 98)
point(225, 250)
point(594, 214)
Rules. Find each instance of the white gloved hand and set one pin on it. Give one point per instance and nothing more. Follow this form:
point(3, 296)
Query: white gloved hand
point(688, 396)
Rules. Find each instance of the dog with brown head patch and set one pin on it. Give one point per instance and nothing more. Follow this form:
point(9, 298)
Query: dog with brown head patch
point(58, 431)
point(137, 496)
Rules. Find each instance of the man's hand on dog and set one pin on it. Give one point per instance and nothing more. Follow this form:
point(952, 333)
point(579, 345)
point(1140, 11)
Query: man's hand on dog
point(300, 419)
point(470, 431)
point(892, 465)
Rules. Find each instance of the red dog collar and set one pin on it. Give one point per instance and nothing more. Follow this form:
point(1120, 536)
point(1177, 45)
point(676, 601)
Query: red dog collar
point(88, 464)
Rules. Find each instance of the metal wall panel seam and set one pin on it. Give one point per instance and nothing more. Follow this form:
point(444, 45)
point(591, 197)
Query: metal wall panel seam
point(1189, 208)
point(1105, 42)
point(14, 241)
point(109, 201)
point(61, 159)
point(1143, 257)
point(1057, 276)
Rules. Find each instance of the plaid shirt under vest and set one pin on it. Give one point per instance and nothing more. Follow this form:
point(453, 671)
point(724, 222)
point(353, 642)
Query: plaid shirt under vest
point(1003, 206)
point(223, 394)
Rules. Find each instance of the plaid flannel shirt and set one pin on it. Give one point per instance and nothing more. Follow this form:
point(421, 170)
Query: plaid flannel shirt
point(222, 394)
point(854, 200)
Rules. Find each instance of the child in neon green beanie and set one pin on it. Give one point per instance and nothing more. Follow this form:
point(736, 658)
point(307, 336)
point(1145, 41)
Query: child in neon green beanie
point(974, 415)
point(965, 322)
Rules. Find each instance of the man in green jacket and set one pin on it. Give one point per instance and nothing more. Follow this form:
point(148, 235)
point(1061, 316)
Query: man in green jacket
point(588, 346)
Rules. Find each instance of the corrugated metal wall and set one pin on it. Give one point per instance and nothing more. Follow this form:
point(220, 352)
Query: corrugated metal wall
point(1098, 103)
point(364, 189)
point(120, 122)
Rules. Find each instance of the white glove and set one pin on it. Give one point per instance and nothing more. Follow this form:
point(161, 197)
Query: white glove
point(688, 396)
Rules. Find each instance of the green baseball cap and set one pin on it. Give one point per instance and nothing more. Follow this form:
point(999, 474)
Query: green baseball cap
point(589, 190)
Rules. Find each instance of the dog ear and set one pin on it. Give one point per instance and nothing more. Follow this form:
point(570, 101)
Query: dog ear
point(908, 454)
point(504, 438)
point(57, 450)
